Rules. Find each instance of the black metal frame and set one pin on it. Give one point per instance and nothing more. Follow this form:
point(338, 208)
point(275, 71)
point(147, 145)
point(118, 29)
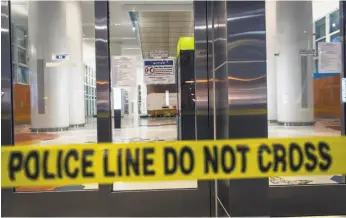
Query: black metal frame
point(104, 201)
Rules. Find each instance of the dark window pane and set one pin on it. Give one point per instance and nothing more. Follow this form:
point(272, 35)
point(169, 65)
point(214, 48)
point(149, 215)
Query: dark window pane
point(22, 75)
point(335, 37)
point(334, 21)
point(320, 28)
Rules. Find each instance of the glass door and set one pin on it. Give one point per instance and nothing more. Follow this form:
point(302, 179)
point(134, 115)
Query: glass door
point(69, 46)
point(303, 98)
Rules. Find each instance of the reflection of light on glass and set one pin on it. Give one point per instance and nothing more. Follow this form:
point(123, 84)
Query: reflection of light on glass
point(100, 27)
point(333, 24)
point(167, 98)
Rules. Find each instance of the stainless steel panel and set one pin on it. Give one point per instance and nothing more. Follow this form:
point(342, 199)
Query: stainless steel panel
point(220, 69)
point(202, 72)
point(247, 94)
point(220, 95)
point(103, 97)
point(204, 84)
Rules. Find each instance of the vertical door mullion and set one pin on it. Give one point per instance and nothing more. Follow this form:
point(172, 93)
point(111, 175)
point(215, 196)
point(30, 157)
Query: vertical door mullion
point(7, 130)
point(103, 85)
point(342, 12)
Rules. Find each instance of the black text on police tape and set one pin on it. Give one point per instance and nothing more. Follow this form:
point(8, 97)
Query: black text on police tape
point(224, 159)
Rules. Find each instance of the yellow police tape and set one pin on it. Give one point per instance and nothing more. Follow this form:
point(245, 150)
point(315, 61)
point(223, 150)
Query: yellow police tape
point(178, 160)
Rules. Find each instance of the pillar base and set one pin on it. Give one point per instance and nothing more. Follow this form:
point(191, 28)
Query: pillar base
point(296, 123)
point(77, 125)
point(49, 129)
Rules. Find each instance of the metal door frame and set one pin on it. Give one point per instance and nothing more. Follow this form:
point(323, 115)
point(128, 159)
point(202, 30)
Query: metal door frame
point(104, 201)
point(295, 200)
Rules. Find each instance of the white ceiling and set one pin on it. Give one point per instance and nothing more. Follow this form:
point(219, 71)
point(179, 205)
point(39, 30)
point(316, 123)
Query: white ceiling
point(121, 28)
point(160, 31)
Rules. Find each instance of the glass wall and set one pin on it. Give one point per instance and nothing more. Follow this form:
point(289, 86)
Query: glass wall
point(306, 88)
point(90, 91)
point(142, 110)
point(54, 90)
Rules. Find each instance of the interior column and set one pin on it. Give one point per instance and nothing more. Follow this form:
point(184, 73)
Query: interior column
point(270, 7)
point(294, 70)
point(76, 71)
point(49, 78)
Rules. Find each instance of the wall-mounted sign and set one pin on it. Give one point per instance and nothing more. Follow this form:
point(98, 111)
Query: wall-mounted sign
point(159, 54)
point(307, 51)
point(123, 71)
point(60, 56)
point(329, 57)
point(159, 71)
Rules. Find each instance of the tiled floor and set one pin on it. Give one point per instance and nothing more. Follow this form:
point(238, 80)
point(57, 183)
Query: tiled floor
point(165, 129)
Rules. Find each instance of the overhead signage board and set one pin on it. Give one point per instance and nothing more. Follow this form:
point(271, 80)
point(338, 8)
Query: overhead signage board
point(159, 71)
point(329, 57)
point(123, 71)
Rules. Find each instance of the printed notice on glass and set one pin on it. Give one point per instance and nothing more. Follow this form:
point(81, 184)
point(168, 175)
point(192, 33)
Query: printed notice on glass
point(343, 90)
point(159, 71)
point(329, 57)
point(123, 71)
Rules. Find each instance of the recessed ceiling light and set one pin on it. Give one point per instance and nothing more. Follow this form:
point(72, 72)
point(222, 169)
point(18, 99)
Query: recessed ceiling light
point(117, 24)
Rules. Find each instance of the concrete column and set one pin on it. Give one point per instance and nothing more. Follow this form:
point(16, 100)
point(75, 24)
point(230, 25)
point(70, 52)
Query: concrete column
point(271, 68)
point(294, 71)
point(76, 71)
point(49, 84)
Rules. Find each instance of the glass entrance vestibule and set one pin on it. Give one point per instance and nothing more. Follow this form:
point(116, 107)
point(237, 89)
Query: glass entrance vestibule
point(74, 72)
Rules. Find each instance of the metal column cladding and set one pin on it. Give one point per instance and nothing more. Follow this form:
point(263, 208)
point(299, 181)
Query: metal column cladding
point(247, 93)
point(103, 98)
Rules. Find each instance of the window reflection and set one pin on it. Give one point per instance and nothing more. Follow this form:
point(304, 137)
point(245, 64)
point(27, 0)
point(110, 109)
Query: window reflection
point(334, 21)
point(320, 28)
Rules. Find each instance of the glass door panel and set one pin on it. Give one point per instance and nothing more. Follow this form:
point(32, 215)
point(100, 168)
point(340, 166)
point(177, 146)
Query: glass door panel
point(156, 121)
point(50, 102)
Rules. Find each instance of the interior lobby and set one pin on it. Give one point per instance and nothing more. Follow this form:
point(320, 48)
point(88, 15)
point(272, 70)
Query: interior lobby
point(69, 63)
